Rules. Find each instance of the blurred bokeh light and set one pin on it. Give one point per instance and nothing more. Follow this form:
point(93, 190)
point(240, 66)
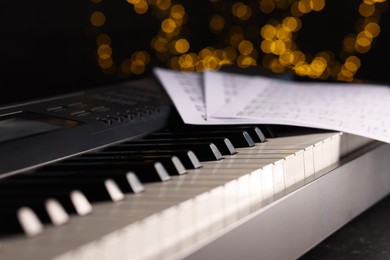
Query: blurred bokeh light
point(258, 33)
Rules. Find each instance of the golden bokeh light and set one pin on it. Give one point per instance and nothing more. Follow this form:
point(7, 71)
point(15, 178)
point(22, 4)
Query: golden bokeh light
point(168, 25)
point(372, 28)
point(268, 32)
point(217, 23)
point(97, 19)
point(211, 63)
point(141, 7)
point(317, 5)
point(291, 24)
point(304, 6)
point(137, 67)
point(245, 41)
point(286, 58)
point(241, 11)
point(349, 43)
point(103, 39)
point(160, 44)
point(363, 39)
point(245, 47)
point(366, 10)
point(182, 46)
point(244, 61)
point(267, 6)
point(277, 47)
point(104, 51)
point(177, 11)
point(105, 63)
point(163, 4)
point(352, 63)
point(142, 56)
point(276, 67)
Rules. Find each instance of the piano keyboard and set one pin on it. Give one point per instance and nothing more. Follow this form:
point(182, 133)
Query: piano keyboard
point(169, 194)
point(109, 173)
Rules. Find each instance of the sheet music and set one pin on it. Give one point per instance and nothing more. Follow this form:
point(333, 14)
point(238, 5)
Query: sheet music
point(186, 90)
point(359, 109)
point(223, 85)
point(353, 108)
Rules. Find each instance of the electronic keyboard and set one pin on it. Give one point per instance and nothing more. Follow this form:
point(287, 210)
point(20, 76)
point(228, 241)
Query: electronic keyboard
point(113, 173)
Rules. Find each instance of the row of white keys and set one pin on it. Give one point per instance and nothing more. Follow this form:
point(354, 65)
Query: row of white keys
point(230, 186)
point(172, 216)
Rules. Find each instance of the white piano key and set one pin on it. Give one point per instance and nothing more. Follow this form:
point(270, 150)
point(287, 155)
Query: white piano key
point(243, 195)
point(318, 162)
point(238, 161)
point(236, 165)
point(279, 182)
point(150, 238)
point(308, 155)
point(336, 149)
point(258, 156)
point(230, 202)
point(299, 166)
point(216, 210)
point(289, 172)
point(202, 216)
point(263, 150)
point(298, 140)
point(267, 182)
point(84, 252)
point(185, 224)
point(256, 187)
point(131, 235)
point(109, 246)
point(326, 152)
point(169, 229)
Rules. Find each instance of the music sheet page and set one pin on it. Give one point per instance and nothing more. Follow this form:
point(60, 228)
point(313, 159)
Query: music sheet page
point(223, 85)
point(359, 109)
point(187, 94)
point(216, 97)
point(186, 91)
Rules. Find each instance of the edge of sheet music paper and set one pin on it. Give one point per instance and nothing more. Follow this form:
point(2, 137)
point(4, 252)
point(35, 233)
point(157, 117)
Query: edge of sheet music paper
point(215, 97)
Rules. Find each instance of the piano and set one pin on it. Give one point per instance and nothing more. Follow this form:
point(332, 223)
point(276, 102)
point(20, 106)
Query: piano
point(112, 173)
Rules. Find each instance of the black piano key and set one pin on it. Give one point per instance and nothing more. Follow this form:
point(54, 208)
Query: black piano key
point(204, 151)
point(254, 131)
point(48, 210)
point(269, 131)
point(127, 181)
point(187, 157)
point(146, 171)
point(239, 138)
point(73, 201)
point(94, 189)
point(171, 162)
point(20, 220)
point(224, 145)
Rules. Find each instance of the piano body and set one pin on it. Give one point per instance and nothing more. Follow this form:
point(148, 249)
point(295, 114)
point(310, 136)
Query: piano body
point(77, 181)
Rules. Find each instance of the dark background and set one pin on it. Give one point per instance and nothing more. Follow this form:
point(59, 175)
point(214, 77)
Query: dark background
point(48, 47)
